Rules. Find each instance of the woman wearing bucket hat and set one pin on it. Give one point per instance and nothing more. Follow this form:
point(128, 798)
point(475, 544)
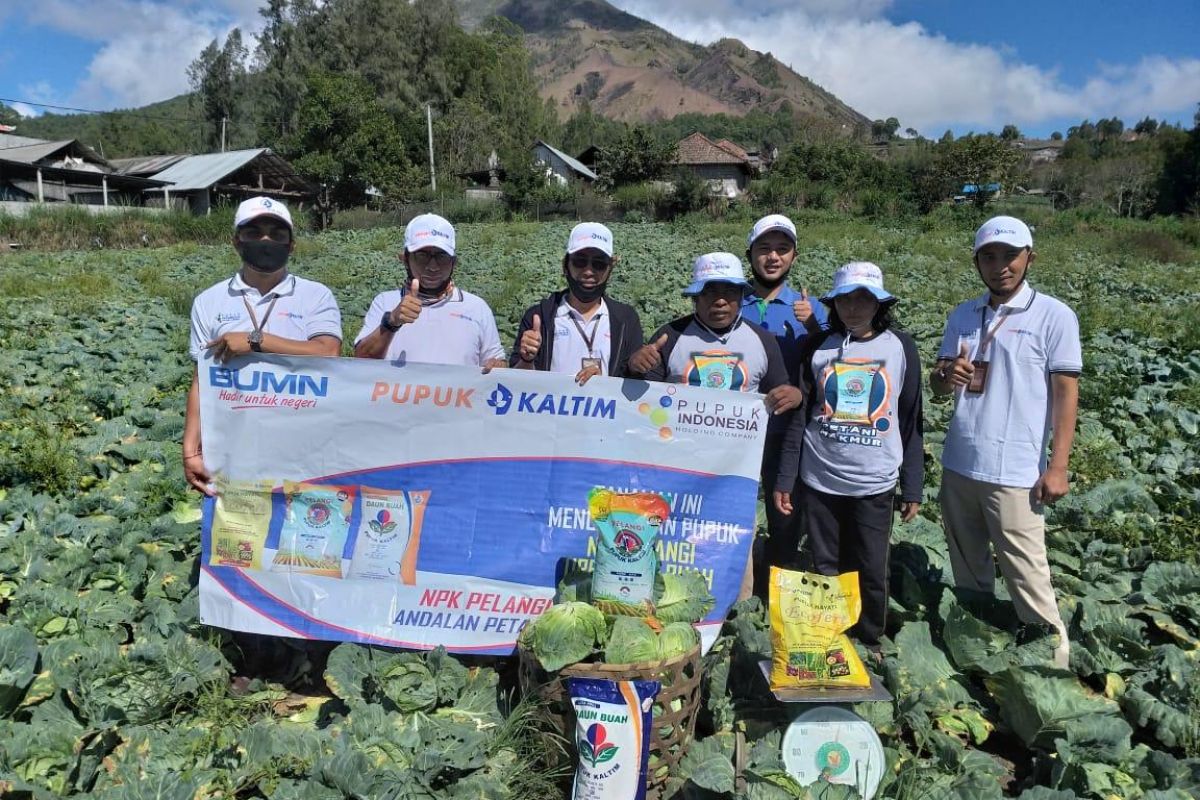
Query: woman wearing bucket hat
point(581, 330)
point(715, 347)
point(859, 434)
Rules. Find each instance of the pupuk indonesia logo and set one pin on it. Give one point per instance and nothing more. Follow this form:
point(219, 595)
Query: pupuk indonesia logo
point(500, 399)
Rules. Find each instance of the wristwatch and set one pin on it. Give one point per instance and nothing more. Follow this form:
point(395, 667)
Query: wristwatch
point(256, 338)
point(386, 323)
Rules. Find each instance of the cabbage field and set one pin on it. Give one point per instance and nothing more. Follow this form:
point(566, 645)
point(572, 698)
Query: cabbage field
point(110, 687)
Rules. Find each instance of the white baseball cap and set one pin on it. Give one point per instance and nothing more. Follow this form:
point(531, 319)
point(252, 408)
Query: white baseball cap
point(858, 275)
point(771, 222)
point(716, 268)
point(590, 234)
point(1007, 230)
point(429, 229)
point(257, 207)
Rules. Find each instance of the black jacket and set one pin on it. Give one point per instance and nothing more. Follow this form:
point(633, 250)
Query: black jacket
point(910, 414)
point(624, 326)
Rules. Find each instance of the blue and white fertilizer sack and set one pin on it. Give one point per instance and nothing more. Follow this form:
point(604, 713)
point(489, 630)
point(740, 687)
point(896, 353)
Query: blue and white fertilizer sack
point(613, 722)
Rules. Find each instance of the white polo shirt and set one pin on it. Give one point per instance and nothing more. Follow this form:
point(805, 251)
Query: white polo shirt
point(457, 329)
point(304, 309)
point(570, 348)
point(1001, 435)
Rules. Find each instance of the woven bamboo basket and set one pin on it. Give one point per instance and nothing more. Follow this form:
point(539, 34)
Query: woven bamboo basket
point(673, 727)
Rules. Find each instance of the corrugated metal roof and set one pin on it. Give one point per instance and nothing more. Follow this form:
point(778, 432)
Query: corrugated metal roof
point(145, 165)
point(570, 162)
point(12, 140)
point(200, 172)
point(33, 153)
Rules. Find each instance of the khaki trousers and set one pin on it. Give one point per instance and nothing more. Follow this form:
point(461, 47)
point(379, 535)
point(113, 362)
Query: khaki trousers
point(977, 514)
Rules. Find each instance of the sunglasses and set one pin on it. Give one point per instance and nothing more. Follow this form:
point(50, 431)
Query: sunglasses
point(423, 258)
point(252, 233)
point(597, 263)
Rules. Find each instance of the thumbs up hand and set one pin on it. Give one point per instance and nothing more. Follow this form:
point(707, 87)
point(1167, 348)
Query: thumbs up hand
point(410, 307)
point(802, 308)
point(647, 358)
point(531, 340)
point(959, 372)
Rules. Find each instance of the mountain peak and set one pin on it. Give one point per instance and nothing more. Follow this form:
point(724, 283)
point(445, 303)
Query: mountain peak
point(589, 51)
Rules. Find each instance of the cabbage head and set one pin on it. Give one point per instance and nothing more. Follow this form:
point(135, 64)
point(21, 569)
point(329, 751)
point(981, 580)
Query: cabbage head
point(677, 639)
point(682, 597)
point(632, 641)
point(564, 634)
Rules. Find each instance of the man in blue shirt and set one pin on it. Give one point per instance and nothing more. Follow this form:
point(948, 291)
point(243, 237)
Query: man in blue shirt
point(790, 317)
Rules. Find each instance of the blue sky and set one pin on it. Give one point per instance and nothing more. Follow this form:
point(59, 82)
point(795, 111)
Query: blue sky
point(933, 64)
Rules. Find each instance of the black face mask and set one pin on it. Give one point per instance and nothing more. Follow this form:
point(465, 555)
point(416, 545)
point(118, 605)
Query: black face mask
point(426, 291)
point(265, 255)
point(583, 293)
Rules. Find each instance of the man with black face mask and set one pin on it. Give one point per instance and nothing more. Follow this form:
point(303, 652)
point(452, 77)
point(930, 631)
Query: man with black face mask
point(580, 330)
point(261, 309)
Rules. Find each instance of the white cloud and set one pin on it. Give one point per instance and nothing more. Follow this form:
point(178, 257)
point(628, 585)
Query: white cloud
point(884, 69)
point(145, 45)
point(26, 111)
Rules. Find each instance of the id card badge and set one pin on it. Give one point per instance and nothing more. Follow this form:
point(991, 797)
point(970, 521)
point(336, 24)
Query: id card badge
point(978, 377)
point(588, 363)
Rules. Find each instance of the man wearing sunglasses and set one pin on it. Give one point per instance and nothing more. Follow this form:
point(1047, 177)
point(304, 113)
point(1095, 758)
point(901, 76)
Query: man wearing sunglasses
point(428, 320)
point(580, 330)
point(261, 309)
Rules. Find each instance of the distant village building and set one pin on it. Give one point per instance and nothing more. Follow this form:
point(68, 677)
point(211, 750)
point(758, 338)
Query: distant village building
point(201, 182)
point(560, 166)
point(67, 171)
point(1042, 151)
point(724, 165)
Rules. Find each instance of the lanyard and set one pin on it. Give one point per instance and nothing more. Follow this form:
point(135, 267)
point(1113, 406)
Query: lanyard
point(266, 317)
point(587, 340)
point(986, 334)
point(722, 339)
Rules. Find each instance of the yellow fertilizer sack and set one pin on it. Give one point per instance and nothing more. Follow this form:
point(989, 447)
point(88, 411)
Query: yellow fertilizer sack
point(240, 522)
point(810, 615)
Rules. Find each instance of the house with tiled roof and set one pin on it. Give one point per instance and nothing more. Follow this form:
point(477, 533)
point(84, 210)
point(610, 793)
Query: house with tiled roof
point(725, 165)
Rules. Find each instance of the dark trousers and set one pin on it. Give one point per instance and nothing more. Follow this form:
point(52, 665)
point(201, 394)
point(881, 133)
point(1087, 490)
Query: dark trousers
point(850, 534)
point(782, 545)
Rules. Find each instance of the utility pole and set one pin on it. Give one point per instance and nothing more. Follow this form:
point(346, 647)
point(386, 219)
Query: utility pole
point(429, 127)
point(223, 121)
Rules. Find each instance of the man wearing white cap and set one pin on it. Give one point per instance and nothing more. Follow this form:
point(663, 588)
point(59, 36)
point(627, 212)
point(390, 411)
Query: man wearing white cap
point(1012, 359)
point(580, 330)
point(715, 347)
point(260, 309)
point(428, 320)
point(791, 318)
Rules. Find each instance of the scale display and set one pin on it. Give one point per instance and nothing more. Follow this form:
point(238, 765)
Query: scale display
point(835, 745)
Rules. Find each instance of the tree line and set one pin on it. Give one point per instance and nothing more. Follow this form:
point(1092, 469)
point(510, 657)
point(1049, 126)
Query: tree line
point(342, 89)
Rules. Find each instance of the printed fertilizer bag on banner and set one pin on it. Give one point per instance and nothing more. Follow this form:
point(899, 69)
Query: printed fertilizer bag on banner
point(810, 615)
point(240, 523)
point(627, 528)
point(388, 535)
point(315, 527)
point(613, 722)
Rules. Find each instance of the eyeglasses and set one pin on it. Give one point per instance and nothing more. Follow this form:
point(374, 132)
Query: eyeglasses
point(275, 233)
point(597, 263)
point(423, 258)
